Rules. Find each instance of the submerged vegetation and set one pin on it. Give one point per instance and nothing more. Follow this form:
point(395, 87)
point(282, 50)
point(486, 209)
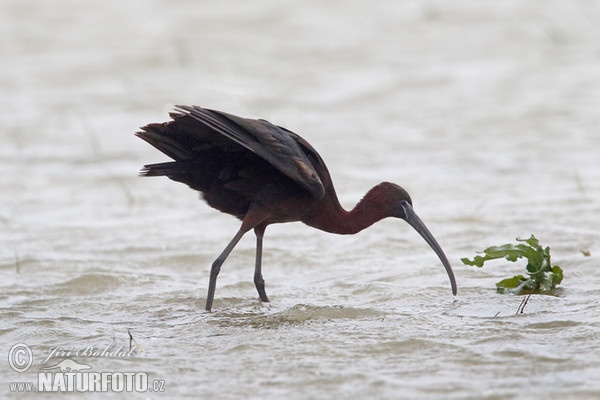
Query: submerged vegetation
point(541, 275)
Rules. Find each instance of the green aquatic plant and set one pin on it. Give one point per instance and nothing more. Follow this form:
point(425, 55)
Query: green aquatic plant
point(542, 276)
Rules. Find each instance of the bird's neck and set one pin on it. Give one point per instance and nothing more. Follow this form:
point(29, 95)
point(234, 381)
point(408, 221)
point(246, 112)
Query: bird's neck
point(333, 218)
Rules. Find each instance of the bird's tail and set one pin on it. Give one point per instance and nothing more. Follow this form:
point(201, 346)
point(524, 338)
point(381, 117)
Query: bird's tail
point(184, 171)
point(161, 169)
point(164, 139)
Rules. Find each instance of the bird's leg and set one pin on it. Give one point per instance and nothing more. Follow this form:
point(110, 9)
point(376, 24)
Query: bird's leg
point(216, 268)
point(259, 282)
point(253, 218)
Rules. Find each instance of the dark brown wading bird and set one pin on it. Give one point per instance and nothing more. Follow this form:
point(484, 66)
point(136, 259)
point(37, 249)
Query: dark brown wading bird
point(265, 174)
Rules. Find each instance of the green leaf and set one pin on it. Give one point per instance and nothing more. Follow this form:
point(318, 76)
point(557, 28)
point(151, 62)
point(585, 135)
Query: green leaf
point(541, 276)
point(557, 275)
point(532, 241)
point(511, 283)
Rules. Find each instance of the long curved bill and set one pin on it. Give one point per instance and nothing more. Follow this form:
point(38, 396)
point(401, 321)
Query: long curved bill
point(413, 220)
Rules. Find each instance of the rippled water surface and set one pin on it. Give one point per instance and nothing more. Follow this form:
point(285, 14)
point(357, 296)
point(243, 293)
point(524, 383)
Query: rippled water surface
point(486, 112)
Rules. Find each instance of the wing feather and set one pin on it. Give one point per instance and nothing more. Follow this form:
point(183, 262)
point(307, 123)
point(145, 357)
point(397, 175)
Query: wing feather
point(268, 141)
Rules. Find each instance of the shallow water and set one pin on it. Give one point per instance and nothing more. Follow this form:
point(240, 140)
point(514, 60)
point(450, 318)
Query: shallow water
point(485, 113)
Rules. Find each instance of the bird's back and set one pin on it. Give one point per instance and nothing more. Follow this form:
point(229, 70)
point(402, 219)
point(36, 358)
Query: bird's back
point(233, 160)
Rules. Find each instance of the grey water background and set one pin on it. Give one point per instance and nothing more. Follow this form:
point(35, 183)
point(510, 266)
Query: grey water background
point(486, 112)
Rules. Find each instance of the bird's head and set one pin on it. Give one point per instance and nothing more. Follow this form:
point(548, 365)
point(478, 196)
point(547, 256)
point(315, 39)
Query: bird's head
point(397, 203)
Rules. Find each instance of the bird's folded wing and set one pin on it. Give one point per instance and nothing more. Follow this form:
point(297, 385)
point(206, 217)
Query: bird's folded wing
point(266, 140)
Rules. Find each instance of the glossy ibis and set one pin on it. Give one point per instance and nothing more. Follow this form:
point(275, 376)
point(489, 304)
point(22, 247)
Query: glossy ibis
point(265, 174)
